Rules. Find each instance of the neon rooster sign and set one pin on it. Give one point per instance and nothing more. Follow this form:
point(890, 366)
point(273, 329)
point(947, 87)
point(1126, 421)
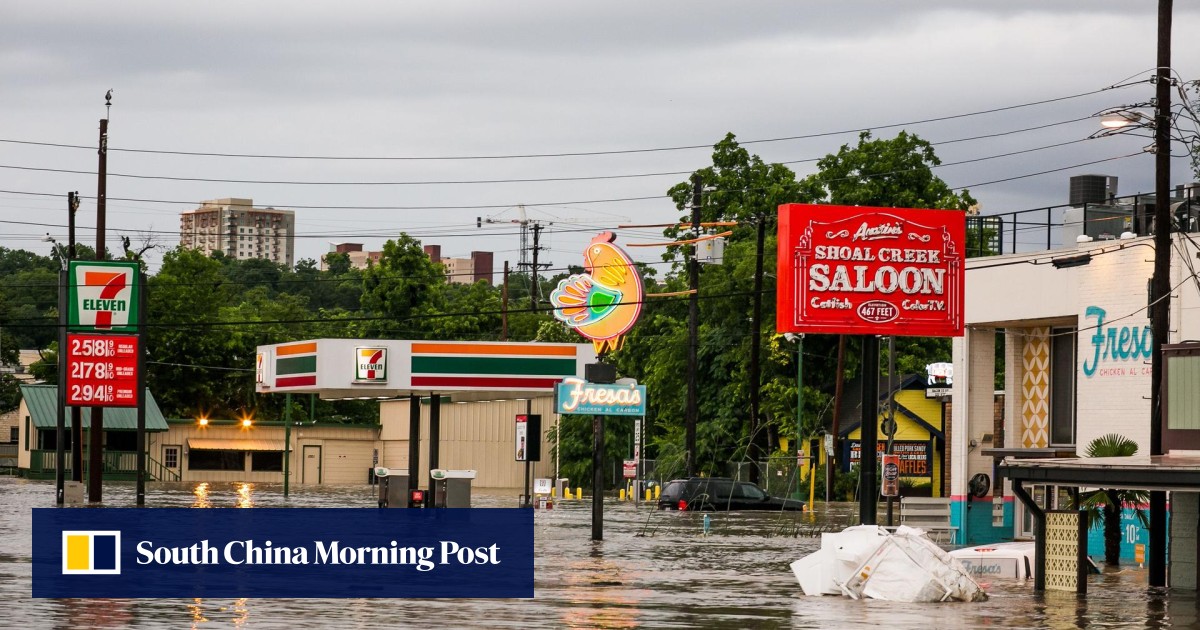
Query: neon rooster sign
point(603, 303)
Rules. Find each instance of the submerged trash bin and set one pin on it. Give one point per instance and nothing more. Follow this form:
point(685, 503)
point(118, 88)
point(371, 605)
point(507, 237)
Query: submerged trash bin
point(451, 488)
point(393, 488)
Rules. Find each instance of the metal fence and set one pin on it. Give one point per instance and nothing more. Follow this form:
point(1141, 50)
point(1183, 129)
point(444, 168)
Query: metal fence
point(776, 475)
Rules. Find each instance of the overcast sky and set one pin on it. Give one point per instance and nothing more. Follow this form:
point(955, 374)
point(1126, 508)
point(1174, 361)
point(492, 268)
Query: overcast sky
point(485, 79)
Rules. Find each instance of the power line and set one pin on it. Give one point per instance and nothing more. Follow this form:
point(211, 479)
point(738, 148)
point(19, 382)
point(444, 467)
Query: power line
point(462, 182)
point(579, 153)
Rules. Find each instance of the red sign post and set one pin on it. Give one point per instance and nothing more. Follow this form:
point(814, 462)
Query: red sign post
point(871, 271)
point(102, 370)
point(891, 476)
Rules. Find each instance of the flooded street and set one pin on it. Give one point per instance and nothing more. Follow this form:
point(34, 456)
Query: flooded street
point(654, 569)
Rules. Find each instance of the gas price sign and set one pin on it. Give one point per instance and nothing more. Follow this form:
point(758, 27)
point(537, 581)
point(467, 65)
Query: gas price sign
point(102, 370)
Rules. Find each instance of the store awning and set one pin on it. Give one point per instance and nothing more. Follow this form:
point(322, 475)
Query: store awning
point(213, 444)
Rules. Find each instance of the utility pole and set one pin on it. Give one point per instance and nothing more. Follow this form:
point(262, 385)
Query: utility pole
point(1160, 286)
point(96, 432)
point(534, 287)
point(692, 412)
point(753, 451)
point(504, 306)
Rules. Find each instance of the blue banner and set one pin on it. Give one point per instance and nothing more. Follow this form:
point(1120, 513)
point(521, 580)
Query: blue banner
point(282, 552)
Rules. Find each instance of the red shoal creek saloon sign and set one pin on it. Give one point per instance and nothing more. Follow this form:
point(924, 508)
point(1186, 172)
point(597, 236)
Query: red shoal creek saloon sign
point(882, 271)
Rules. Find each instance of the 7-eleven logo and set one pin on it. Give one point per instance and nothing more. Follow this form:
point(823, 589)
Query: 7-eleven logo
point(111, 285)
point(103, 295)
point(370, 364)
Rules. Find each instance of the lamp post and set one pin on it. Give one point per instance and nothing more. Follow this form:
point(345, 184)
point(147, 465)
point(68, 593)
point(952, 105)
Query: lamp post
point(60, 459)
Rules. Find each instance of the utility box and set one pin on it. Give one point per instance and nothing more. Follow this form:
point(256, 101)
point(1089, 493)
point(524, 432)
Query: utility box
point(72, 493)
point(393, 488)
point(451, 488)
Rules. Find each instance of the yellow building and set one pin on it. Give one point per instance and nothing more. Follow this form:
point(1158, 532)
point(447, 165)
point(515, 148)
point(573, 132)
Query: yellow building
point(919, 439)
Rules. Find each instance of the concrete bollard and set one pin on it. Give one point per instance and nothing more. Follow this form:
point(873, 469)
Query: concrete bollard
point(578, 493)
point(657, 491)
point(648, 493)
point(621, 496)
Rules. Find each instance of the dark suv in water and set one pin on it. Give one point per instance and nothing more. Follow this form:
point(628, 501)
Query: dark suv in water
point(720, 493)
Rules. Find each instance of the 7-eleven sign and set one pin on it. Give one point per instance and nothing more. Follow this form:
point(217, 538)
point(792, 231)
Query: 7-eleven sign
point(103, 296)
point(370, 365)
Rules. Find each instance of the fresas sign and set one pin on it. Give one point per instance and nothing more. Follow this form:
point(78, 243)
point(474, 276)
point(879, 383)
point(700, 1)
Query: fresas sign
point(103, 296)
point(858, 270)
point(602, 303)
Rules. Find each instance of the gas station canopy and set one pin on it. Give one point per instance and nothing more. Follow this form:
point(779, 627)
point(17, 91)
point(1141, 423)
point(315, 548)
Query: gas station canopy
point(387, 368)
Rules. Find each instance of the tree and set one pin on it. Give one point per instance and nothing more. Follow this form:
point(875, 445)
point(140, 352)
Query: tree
point(1105, 506)
point(403, 291)
point(188, 349)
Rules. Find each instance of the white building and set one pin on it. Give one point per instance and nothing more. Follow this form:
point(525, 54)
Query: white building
point(239, 230)
point(1075, 366)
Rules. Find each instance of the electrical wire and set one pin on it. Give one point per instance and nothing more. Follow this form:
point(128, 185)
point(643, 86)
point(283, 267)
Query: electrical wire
point(578, 153)
point(462, 182)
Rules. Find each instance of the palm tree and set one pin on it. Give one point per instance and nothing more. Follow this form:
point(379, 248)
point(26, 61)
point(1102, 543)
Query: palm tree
point(1106, 505)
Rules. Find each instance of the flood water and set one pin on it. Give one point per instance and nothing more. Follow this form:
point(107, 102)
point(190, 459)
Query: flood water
point(653, 569)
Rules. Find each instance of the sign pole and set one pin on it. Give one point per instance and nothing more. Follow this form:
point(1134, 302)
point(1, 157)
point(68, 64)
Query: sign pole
point(597, 477)
point(868, 457)
point(529, 438)
point(287, 440)
point(141, 392)
point(60, 459)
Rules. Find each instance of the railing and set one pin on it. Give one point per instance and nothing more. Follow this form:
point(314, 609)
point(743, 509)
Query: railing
point(120, 463)
point(156, 470)
point(8, 455)
point(1041, 229)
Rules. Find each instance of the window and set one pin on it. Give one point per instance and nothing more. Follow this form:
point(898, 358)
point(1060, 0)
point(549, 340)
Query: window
point(27, 432)
point(216, 460)
point(750, 492)
point(171, 456)
point(14, 434)
point(1062, 386)
point(120, 441)
point(266, 461)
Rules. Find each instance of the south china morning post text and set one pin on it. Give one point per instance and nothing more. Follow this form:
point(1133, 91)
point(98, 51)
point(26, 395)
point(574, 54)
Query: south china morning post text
point(236, 552)
point(283, 552)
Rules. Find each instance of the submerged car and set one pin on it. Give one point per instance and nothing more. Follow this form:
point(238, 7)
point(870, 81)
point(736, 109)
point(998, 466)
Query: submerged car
point(720, 493)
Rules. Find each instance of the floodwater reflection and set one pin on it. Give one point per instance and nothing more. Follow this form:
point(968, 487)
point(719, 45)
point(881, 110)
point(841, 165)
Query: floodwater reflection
point(201, 494)
point(653, 569)
point(244, 499)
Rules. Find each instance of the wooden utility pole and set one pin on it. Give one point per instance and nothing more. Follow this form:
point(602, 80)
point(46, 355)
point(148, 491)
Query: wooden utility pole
point(692, 412)
point(96, 432)
point(1160, 284)
point(504, 305)
point(753, 451)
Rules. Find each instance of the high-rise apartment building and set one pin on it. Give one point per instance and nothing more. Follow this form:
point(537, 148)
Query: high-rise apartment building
point(239, 230)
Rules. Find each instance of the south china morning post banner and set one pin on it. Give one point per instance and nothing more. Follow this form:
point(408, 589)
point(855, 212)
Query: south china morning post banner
point(283, 552)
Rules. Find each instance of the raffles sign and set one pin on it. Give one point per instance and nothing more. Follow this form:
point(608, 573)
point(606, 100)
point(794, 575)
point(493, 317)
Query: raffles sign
point(858, 270)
